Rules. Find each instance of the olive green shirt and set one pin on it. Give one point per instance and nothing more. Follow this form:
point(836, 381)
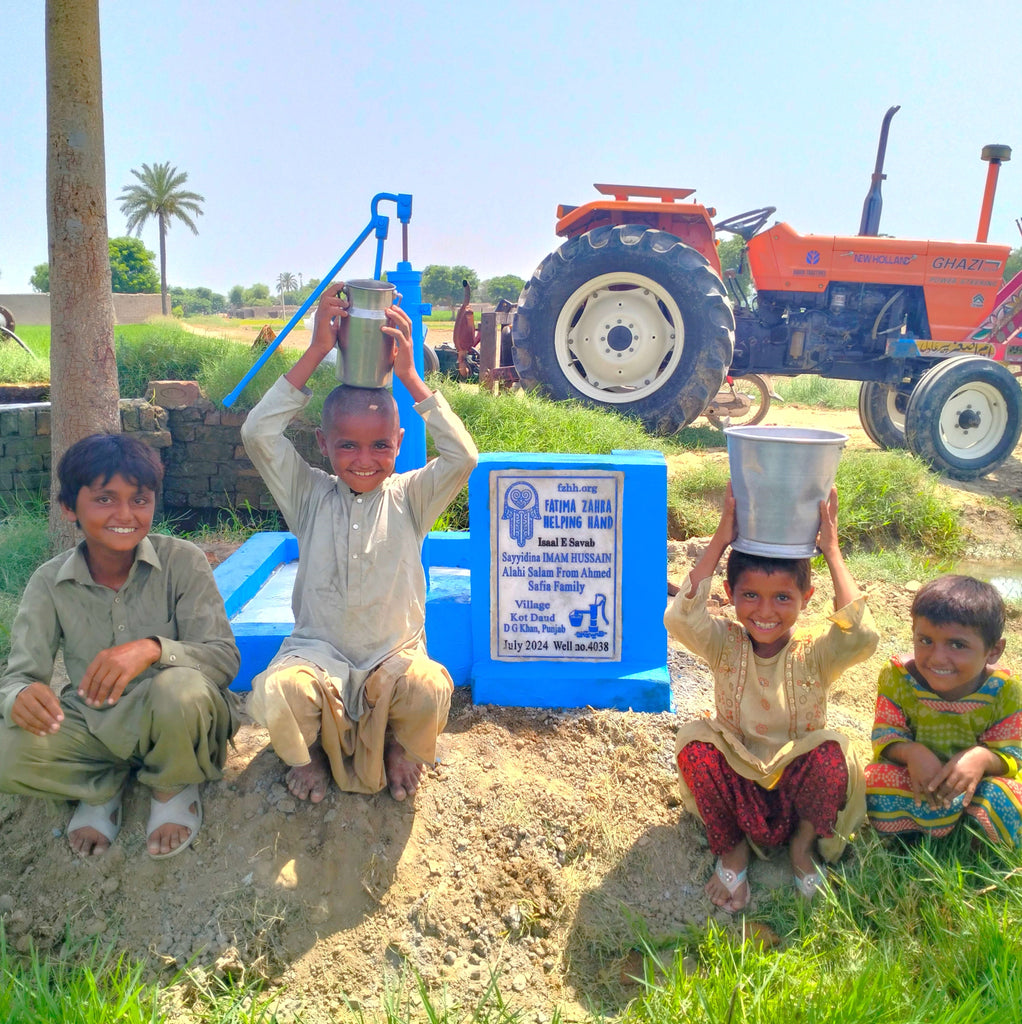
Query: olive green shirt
point(170, 595)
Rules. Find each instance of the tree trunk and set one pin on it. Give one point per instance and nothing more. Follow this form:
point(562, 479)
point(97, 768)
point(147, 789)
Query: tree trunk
point(163, 262)
point(83, 370)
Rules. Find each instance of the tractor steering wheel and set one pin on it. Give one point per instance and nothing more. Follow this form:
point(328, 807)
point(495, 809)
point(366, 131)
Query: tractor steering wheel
point(745, 224)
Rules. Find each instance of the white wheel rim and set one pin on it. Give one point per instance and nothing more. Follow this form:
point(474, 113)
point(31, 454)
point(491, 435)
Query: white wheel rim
point(894, 414)
point(613, 340)
point(973, 421)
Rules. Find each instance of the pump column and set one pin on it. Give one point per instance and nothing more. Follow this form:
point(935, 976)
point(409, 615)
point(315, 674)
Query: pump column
point(413, 447)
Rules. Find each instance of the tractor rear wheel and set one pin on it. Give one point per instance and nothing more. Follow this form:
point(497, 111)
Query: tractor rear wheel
point(629, 318)
point(882, 413)
point(965, 416)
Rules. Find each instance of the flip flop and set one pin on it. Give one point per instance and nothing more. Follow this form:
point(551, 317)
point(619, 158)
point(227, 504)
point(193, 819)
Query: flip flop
point(175, 811)
point(809, 884)
point(98, 817)
point(731, 880)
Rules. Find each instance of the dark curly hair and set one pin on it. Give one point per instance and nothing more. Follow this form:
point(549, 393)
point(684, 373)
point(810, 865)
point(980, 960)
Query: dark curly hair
point(962, 601)
point(101, 456)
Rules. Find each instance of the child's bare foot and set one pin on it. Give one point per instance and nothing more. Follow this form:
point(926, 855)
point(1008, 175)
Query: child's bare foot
point(310, 781)
point(403, 774)
point(728, 887)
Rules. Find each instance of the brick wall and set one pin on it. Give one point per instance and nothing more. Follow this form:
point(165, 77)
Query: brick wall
point(200, 444)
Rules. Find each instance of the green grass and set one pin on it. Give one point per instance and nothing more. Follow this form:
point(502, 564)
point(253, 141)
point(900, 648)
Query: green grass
point(40, 990)
point(930, 932)
point(812, 390)
point(24, 546)
point(889, 499)
point(513, 421)
point(20, 367)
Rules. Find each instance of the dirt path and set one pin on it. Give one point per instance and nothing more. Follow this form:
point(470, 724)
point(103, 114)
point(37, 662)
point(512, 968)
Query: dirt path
point(535, 845)
point(298, 337)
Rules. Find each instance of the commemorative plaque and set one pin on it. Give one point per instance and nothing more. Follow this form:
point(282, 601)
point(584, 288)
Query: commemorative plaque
point(555, 571)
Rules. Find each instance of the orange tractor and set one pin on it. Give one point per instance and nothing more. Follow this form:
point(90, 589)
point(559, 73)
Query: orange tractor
point(633, 312)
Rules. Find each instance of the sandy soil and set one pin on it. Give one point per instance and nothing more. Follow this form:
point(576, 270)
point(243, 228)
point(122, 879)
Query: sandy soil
point(538, 846)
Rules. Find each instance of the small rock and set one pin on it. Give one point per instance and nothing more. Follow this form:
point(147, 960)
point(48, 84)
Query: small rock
point(330, 815)
point(6, 903)
point(24, 944)
point(912, 586)
point(450, 958)
point(435, 868)
point(519, 983)
point(287, 805)
point(109, 886)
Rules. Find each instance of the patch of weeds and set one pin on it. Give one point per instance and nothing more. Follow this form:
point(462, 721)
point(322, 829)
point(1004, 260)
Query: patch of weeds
point(810, 389)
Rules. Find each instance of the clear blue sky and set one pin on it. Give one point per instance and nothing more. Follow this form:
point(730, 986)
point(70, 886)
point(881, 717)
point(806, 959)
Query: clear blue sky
point(289, 117)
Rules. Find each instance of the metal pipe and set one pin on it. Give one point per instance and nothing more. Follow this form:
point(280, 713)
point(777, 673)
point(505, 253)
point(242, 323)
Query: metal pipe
point(870, 222)
point(378, 223)
point(995, 156)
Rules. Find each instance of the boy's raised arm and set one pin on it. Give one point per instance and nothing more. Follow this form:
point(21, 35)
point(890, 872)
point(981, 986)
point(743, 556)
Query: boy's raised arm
point(727, 530)
point(331, 321)
point(846, 590)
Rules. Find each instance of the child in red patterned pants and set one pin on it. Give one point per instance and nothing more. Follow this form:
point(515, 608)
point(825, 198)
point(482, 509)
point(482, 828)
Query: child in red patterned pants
point(765, 770)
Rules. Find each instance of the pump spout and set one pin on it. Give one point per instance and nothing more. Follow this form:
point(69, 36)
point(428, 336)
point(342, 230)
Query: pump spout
point(994, 156)
point(870, 223)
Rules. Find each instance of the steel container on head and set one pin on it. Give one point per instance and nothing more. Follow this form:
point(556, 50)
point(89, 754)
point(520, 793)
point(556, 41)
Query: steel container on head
point(779, 476)
point(366, 353)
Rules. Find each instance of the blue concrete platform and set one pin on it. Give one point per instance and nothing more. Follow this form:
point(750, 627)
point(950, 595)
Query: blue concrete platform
point(256, 583)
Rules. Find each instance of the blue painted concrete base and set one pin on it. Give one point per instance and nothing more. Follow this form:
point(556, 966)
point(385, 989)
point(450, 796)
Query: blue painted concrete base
point(260, 624)
point(508, 686)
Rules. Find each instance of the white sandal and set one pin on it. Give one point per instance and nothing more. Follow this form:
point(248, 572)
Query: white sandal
point(103, 818)
point(175, 811)
point(809, 884)
point(732, 881)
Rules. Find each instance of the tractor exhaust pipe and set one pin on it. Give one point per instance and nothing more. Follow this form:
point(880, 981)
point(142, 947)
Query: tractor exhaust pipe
point(994, 156)
point(870, 223)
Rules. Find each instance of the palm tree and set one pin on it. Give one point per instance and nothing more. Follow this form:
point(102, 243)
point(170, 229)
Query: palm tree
point(160, 195)
point(285, 285)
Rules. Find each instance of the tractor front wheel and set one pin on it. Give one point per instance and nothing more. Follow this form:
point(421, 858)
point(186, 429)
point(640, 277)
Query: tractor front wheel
point(882, 413)
point(629, 318)
point(965, 416)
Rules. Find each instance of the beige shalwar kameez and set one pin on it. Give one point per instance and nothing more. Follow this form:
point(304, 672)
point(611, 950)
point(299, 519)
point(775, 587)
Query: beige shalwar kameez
point(355, 663)
point(771, 710)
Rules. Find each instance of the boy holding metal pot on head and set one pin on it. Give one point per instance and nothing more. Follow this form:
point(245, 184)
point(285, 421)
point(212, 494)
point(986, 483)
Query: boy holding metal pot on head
point(352, 694)
point(765, 771)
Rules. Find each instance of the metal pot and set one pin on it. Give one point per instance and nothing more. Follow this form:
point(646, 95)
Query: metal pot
point(366, 353)
point(779, 476)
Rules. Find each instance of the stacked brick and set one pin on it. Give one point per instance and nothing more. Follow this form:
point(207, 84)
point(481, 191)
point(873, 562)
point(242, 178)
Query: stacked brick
point(205, 464)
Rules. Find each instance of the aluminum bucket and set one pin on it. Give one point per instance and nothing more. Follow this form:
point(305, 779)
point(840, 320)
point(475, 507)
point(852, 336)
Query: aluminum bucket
point(779, 476)
point(366, 353)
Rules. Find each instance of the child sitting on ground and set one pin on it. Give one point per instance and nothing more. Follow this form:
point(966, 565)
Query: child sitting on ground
point(147, 647)
point(947, 737)
point(352, 693)
point(766, 770)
